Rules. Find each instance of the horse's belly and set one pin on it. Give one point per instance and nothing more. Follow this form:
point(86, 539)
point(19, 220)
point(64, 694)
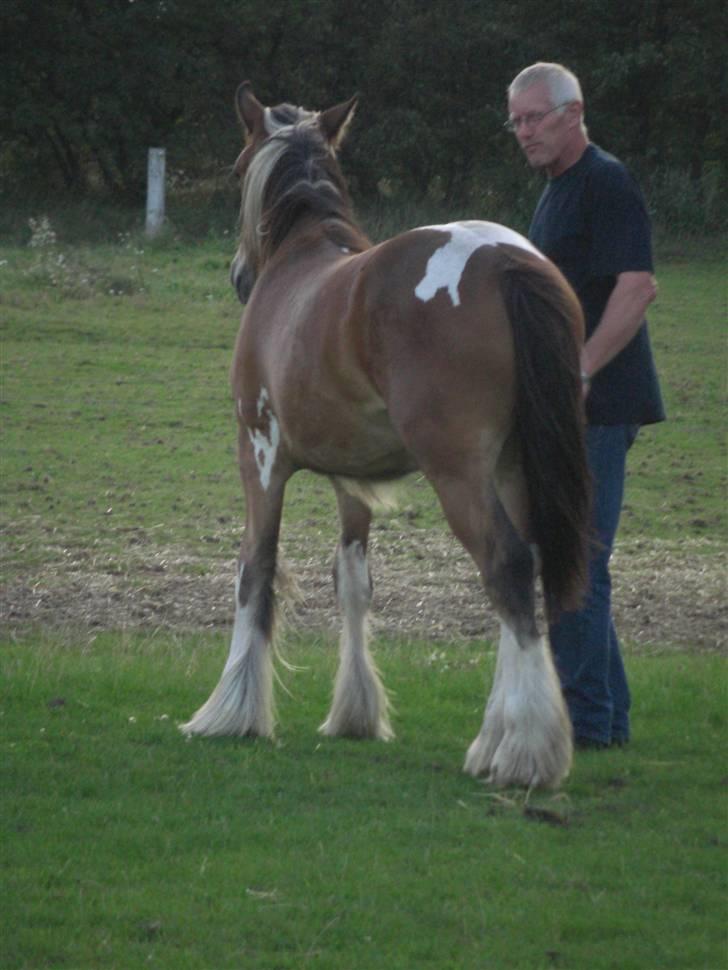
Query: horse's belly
point(338, 446)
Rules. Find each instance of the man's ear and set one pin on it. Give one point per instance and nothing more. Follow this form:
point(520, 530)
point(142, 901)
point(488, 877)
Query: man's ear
point(575, 111)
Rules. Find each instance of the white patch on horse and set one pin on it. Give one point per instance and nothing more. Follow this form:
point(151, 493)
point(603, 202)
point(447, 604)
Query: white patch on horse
point(265, 445)
point(446, 265)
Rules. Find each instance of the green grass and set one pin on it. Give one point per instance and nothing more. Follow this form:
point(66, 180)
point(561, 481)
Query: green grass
point(677, 485)
point(102, 394)
point(124, 845)
point(117, 423)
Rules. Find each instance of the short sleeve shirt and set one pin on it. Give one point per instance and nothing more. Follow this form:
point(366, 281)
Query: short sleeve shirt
point(592, 222)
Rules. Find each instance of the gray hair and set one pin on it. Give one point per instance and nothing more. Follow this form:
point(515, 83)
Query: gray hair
point(563, 86)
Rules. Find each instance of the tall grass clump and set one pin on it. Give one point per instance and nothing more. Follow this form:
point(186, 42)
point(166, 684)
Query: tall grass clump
point(682, 207)
point(685, 206)
point(79, 272)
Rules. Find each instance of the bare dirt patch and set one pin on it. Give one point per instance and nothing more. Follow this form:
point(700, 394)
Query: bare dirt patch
point(425, 586)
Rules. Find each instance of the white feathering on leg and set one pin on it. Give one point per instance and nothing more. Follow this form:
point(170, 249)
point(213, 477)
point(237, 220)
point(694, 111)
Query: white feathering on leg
point(526, 734)
point(242, 701)
point(360, 706)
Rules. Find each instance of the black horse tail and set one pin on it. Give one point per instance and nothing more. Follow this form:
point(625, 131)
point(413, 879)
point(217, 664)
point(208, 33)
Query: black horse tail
point(547, 325)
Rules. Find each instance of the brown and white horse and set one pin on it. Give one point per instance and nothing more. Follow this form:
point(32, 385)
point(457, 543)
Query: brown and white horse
point(452, 349)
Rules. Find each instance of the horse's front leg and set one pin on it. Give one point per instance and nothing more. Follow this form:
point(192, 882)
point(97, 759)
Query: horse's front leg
point(359, 707)
point(242, 701)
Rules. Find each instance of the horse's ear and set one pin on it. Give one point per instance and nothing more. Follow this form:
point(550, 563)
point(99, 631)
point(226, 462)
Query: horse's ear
point(335, 121)
point(250, 110)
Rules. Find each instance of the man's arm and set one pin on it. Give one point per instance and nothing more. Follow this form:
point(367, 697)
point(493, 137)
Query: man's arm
point(622, 318)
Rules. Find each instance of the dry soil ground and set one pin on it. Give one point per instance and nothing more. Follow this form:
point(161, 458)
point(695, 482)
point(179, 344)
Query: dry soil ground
point(424, 586)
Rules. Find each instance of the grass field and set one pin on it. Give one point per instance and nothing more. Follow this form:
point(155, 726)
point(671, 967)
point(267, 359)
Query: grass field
point(118, 436)
point(123, 845)
point(115, 365)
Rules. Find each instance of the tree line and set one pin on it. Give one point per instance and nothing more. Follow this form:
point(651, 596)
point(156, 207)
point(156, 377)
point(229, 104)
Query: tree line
point(86, 87)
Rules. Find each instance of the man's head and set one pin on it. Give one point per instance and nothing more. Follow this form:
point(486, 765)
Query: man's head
point(546, 114)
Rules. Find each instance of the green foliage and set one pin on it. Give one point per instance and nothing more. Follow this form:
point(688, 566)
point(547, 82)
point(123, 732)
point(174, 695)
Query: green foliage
point(124, 844)
point(86, 88)
point(687, 206)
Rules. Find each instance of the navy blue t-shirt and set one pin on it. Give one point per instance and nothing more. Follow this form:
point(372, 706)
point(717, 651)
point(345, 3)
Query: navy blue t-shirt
point(592, 222)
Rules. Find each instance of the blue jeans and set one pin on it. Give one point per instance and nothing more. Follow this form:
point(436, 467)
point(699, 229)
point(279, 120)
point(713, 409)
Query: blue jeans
point(584, 643)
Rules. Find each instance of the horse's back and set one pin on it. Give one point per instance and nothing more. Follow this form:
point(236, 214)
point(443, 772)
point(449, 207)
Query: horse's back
point(441, 260)
point(440, 336)
point(363, 355)
point(439, 287)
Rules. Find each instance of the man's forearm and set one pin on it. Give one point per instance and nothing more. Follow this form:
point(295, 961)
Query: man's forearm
point(622, 318)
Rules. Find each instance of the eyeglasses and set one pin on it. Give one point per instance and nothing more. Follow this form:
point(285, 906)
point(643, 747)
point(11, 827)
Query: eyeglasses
point(532, 119)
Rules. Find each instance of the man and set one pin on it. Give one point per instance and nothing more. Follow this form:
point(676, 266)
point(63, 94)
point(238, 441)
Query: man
point(592, 222)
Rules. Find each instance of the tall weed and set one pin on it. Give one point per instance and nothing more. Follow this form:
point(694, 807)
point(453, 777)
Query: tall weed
point(71, 270)
point(682, 205)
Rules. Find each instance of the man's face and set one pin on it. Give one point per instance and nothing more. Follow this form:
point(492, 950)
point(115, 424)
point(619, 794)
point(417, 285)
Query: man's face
point(543, 134)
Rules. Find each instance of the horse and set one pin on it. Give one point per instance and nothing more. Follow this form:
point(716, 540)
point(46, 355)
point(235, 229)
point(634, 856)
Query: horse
point(449, 349)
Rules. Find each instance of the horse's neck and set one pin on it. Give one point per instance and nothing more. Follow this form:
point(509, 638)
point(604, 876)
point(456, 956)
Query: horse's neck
point(343, 235)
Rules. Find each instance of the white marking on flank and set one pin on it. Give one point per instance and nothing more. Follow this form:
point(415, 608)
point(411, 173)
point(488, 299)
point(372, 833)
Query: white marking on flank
point(446, 265)
point(265, 445)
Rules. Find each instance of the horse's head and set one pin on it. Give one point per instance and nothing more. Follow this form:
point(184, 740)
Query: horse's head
point(270, 135)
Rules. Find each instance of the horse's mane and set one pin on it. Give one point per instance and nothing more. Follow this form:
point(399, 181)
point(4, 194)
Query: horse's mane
point(293, 176)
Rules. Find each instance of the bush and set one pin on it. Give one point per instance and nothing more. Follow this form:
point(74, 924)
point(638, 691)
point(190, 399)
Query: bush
point(682, 205)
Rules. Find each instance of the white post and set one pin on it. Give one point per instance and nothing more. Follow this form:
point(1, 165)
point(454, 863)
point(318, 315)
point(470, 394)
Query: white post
point(155, 190)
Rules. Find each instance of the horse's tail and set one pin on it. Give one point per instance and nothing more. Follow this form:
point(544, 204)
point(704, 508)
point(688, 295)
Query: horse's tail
point(547, 321)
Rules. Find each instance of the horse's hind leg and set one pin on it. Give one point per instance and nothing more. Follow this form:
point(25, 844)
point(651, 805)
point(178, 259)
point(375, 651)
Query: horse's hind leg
point(525, 738)
point(359, 707)
point(242, 701)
